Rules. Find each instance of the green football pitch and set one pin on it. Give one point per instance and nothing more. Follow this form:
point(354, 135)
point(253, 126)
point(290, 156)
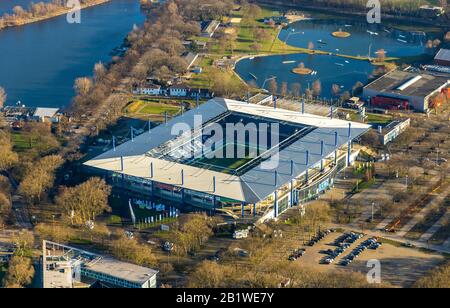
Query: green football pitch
point(220, 161)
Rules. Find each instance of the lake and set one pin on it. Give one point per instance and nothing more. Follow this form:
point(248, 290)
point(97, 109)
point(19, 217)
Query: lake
point(330, 70)
point(364, 37)
point(40, 61)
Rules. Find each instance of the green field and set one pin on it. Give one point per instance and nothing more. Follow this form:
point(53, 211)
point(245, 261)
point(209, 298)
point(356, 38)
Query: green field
point(226, 165)
point(159, 108)
point(21, 142)
point(141, 108)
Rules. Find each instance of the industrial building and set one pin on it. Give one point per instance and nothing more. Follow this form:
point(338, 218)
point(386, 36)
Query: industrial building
point(295, 166)
point(442, 57)
point(398, 90)
point(69, 267)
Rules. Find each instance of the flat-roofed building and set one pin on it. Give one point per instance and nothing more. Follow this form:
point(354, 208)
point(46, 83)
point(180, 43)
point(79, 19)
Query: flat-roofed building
point(442, 57)
point(393, 130)
point(402, 90)
point(70, 267)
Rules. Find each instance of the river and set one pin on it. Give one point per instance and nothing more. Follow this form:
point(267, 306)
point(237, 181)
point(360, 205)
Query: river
point(39, 62)
point(6, 6)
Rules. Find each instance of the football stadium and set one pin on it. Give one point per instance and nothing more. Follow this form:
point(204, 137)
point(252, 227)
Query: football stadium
point(234, 158)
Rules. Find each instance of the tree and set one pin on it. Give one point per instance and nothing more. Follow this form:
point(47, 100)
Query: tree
point(317, 88)
point(99, 71)
point(3, 97)
point(83, 86)
point(23, 242)
point(131, 251)
point(438, 278)
point(194, 231)
point(284, 89)
point(207, 275)
point(7, 156)
point(273, 86)
point(84, 202)
point(5, 208)
point(296, 89)
point(39, 178)
point(20, 272)
point(335, 89)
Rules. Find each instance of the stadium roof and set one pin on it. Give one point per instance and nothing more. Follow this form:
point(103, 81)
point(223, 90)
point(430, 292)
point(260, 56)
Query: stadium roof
point(251, 187)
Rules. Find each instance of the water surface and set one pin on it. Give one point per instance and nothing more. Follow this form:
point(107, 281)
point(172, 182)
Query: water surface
point(330, 70)
point(364, 38)
point(39, 62)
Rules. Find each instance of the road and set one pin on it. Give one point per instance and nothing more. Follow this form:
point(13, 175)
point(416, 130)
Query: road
point(19, 207)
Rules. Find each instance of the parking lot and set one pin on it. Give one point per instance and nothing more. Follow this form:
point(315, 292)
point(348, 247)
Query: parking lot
point(400, 266)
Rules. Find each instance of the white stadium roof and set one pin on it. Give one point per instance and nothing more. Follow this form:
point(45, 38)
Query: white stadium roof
point(251, 187)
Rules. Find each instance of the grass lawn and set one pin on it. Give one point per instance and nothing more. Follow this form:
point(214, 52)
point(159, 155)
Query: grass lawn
point(159, 108)
point(243, 46)
point(21, 142)
point(378, 119)
point(151, 107)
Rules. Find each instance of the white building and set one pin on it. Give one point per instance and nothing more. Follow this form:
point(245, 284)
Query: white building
point(179, 90)
point(69, 267)
point(46, 114)
point(148, 89)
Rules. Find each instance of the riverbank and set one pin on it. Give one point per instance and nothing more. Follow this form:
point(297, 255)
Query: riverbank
point(401, 22)
point(56, 13)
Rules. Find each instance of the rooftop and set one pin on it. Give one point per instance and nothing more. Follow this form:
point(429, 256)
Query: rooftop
point(252, 184)
point(45, 112)
point(407, 83)
point(66, 256)
point(126, 271)
point(443, 55)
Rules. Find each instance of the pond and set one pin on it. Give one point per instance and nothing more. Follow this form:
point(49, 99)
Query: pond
point(329, 70)
point(365, 38)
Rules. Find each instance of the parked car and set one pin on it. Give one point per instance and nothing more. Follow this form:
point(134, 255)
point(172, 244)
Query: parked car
point(168, 247)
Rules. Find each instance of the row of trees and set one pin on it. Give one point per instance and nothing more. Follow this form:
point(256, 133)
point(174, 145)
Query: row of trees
point(154, 50)
point(271, 274)
point(392, 7)
point(295, 89)
point(438, 278)
point(192, 232)
point(39, 178)
point(20, 271)
point(37, 10)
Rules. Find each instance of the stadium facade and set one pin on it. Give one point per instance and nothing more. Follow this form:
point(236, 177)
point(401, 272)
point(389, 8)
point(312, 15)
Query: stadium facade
point(291, 169)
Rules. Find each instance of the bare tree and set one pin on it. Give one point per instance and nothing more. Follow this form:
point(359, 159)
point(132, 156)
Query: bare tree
point(84, 202)
point(3, 97)
point(20, 272)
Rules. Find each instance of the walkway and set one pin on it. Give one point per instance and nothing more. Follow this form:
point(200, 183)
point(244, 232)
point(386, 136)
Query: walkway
point(437, 200)
point(430, 232)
